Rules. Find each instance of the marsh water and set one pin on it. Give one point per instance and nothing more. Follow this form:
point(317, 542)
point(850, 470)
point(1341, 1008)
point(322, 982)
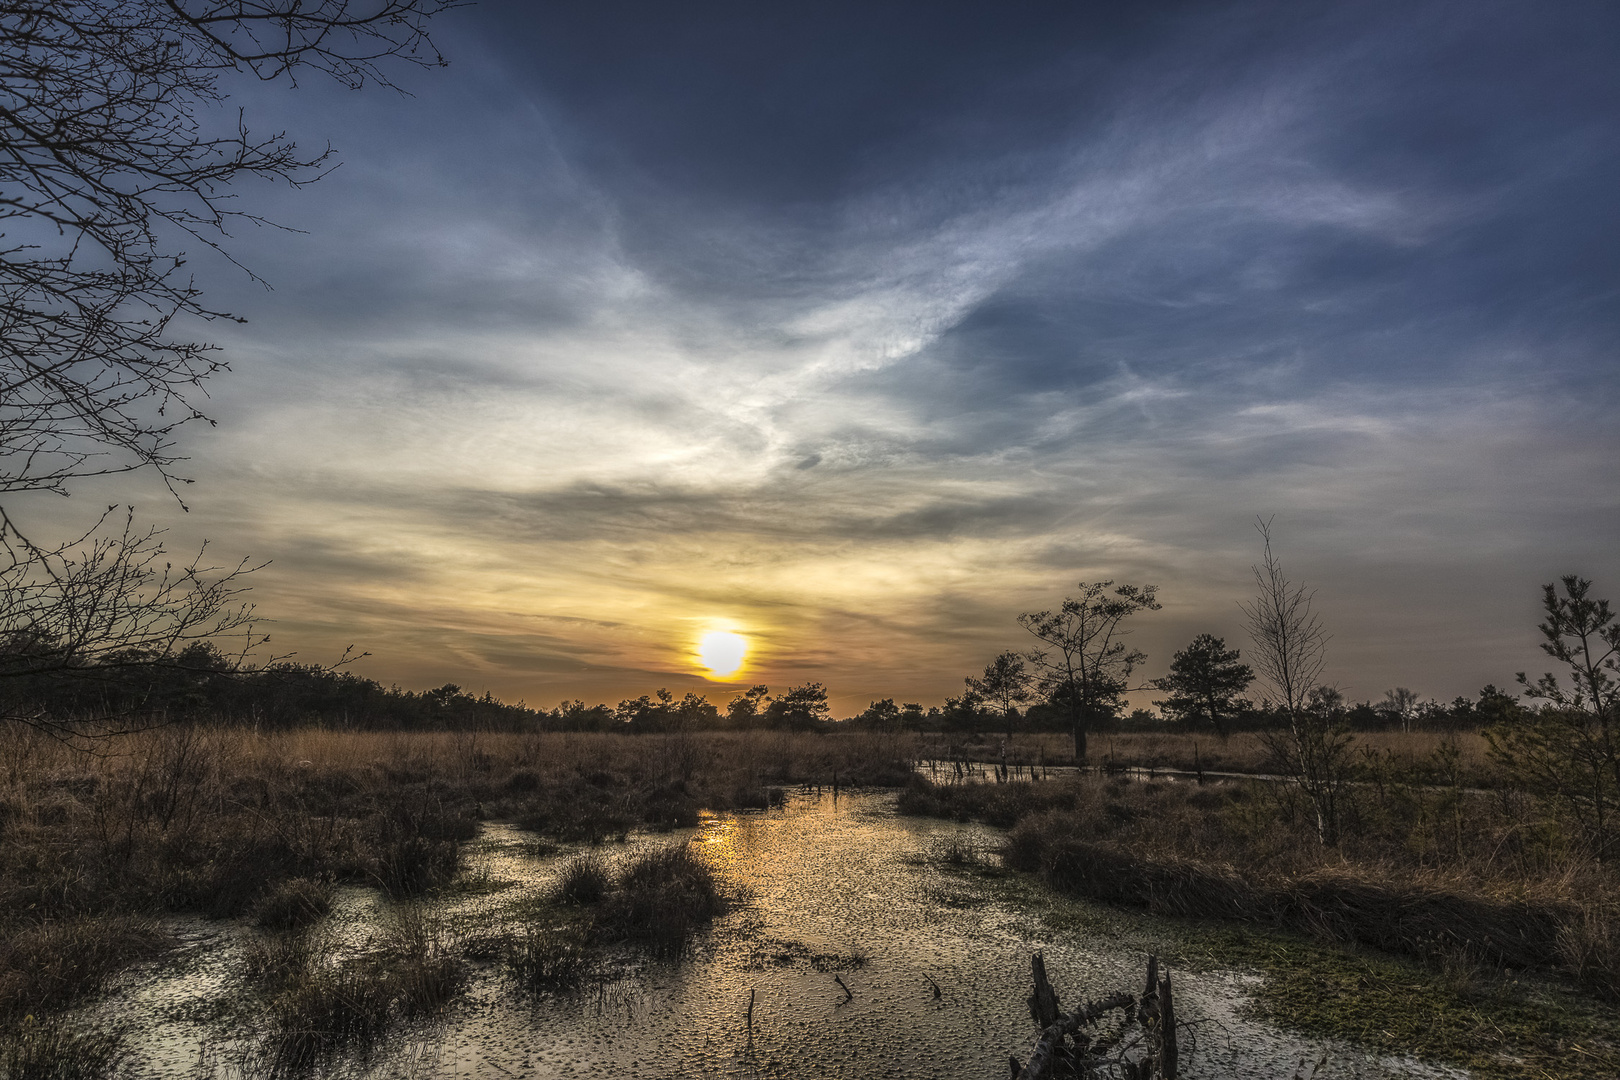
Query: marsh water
point(853, 915)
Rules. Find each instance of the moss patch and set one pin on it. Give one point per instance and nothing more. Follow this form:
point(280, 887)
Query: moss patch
point(1496, 1027)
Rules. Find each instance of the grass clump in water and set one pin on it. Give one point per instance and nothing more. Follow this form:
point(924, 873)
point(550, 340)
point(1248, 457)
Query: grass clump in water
point(550, 957)
point(318, 1006)
point(294, 903)
point(662, 898)
point(47, 966)
point(656, 903)
point(584, 880)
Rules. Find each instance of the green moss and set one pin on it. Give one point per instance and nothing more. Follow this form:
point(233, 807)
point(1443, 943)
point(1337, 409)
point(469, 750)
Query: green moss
point(1497, 1027)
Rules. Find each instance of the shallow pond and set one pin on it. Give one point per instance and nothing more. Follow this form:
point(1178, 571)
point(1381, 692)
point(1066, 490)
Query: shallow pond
point(835, 890)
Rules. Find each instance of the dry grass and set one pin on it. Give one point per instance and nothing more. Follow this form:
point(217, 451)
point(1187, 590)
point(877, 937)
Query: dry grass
point(34, 1049)
point(1453, 876)
point(229, 822)
point(47, 965)
point(1244, 752)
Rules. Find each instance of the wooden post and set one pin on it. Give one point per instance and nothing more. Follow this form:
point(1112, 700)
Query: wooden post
point(1167, 1031)
point(1043, 1003)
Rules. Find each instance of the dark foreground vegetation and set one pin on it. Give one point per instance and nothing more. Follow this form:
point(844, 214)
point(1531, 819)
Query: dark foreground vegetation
point(229, 823)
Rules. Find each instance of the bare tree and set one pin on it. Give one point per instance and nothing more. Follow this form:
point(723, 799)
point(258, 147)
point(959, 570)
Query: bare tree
point(1402, 704)
point(1290, 651)
point(115, 149)
point(1087, 665)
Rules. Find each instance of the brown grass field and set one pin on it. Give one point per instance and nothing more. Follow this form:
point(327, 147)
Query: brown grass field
point(1440, 861)
point(1244, 752)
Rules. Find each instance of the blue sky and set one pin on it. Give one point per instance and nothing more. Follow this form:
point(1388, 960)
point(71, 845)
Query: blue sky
point(860, 329)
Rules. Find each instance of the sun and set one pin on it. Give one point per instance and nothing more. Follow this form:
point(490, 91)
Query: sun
point(722, 652)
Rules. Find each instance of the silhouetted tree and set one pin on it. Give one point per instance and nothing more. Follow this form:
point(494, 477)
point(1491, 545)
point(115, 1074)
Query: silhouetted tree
point(800, 708)
point(1204, 683)
point(1086, 665)
point(1005, 686)
point(110, 156)
point(881, 715)
point(1568, 751)
point(1290, 648)
point(743, 710)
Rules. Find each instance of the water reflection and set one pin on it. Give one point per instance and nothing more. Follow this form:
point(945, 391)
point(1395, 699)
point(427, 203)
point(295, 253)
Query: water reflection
point(855, 916)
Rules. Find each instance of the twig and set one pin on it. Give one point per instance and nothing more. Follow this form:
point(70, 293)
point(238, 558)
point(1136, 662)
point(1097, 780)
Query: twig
point(847, 995)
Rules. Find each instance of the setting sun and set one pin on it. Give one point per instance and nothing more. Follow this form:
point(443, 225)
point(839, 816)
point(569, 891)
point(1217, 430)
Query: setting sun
point(722, 652)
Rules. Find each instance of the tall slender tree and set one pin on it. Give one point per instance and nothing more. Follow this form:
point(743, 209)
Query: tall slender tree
point(1083, 664)
point(1290, 649)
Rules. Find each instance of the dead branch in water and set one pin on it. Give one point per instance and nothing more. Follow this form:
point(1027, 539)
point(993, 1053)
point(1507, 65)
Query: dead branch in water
point(1064, 1040)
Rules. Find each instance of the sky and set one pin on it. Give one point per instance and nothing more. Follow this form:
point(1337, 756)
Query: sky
point(859, 329)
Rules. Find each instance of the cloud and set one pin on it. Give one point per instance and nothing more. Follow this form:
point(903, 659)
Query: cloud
point(871, 346)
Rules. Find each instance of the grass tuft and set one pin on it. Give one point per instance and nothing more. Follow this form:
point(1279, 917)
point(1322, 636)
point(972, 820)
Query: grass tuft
point(583, 880)
point(33, 1049)
point(294, 903)
point(662, 898)
point(549, 958)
